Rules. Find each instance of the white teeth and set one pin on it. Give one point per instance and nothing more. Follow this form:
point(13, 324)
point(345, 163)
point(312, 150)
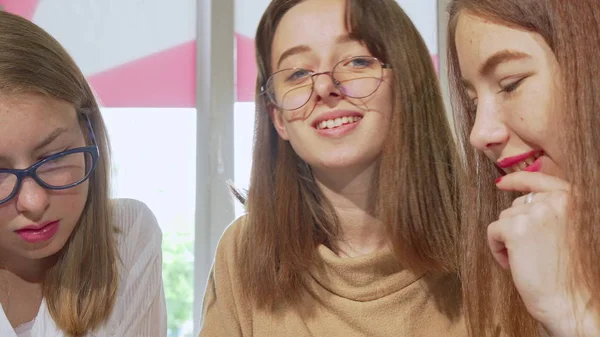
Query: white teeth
point(525, 163)
point(334, 123)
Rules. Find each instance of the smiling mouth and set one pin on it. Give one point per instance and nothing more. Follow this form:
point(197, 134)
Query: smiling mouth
point(525, 164)
point(337, 122)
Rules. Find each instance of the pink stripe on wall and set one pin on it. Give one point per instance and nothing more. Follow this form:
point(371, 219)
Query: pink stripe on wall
point(245, 68)
point(164, 79)
point(24, 8)
point(436, 63)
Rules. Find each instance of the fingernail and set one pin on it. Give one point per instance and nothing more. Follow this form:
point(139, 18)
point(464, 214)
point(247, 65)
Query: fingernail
point(498, 180)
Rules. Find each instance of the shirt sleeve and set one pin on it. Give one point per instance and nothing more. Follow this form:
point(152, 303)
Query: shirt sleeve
point(141, 297)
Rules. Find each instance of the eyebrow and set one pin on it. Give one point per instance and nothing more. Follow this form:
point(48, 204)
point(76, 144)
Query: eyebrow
point(500, 57)
point(304, 48)
point(50, 138)
point(494, 61)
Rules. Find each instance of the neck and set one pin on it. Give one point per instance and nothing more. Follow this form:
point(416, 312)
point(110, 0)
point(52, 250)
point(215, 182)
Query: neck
point(21, 290)
point(350, 194)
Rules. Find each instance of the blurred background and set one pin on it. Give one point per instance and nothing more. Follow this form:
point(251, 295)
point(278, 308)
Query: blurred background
point(176, 80)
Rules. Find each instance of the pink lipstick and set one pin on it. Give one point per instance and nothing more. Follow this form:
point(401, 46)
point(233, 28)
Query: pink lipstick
point(39, 233)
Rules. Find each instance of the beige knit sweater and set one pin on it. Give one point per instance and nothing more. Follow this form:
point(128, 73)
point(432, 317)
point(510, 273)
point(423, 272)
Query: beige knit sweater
point(364, 296)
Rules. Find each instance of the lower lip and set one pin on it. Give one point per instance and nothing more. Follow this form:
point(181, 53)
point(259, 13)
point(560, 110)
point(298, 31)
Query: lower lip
point(508, 162)
point(339, 131)
point(39, 235)
point(535, 166)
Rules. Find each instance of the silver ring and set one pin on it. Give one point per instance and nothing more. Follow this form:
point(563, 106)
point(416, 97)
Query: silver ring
point(529, 198)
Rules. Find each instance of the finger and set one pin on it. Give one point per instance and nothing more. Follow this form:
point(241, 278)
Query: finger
point(518, 208)
point(536, 197)
point(531, 182)
point(497, 243)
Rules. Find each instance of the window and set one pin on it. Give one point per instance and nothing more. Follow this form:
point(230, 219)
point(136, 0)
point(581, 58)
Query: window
point(153, 153)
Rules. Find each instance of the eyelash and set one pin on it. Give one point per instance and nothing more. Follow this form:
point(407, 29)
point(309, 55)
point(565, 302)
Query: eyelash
point(509, 89)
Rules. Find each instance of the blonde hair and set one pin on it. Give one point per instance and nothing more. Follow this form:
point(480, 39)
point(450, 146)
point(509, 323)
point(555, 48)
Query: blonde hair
point(80, 289)
point(415, 187)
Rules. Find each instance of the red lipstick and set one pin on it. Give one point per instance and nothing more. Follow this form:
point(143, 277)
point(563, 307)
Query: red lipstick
point(39, 233)
point(511, 161)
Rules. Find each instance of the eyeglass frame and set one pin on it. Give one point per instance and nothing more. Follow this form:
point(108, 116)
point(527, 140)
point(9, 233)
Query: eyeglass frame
point(336, 83)
point(31, 170)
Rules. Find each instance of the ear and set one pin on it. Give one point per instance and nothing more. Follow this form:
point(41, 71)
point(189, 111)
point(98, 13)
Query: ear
point(278, 123)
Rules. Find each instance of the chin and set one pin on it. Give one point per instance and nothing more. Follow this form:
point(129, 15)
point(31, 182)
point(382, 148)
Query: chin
point(47, 249)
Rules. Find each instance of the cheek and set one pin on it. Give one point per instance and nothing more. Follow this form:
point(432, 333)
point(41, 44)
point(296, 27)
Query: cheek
point(380, 102)
point(69, 204)
point(532, 122)
point(7, 214)
point(386, 101)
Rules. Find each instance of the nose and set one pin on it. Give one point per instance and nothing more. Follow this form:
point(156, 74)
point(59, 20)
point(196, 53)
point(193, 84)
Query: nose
point(489, 130)
point(32, 199)
point(325, 89)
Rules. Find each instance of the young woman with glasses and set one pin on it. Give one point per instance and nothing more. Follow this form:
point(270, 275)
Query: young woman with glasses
point(352, 203)
point(73, 262)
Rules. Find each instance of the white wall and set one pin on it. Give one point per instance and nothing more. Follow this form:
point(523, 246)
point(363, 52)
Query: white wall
point(101, 34)
point(423, 13)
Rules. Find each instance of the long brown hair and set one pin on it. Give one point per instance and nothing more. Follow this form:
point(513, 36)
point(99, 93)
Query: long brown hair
point(415, 189)
point(572, 31)
point(80, 289)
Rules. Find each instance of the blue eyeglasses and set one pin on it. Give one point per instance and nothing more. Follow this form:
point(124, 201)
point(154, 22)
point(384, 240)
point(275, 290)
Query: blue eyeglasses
point(59, 171)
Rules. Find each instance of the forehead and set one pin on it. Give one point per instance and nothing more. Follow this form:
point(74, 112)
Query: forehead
point(28, 116)
point(312, 22)
point(482, 37)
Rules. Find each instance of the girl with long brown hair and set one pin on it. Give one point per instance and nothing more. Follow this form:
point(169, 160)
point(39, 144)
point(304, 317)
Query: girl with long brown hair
point(352, 216)
point(73, 262)
point(526, 97)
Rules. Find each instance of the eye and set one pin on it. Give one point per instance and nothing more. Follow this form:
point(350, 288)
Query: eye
point(297, 74)
point(360, 62)
point(511, 87)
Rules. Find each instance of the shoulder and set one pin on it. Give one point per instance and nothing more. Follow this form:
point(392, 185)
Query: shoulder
point(137, 229)
point(230, 244)
point(233, 233)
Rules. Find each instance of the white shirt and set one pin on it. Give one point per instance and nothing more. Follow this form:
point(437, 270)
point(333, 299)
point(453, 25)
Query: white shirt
point(140, 309)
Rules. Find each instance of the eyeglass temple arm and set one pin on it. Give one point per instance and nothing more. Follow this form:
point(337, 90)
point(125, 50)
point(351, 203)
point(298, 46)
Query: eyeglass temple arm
point(88, 124)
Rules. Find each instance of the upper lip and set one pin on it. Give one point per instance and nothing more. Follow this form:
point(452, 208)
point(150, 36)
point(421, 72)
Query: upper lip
point(511, 161)
point(36, 226)
point(335, 114)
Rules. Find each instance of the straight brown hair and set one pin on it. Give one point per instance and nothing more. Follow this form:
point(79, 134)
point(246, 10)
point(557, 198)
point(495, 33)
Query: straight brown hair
point(572, 30)
point(415, 192)
point(80, 289)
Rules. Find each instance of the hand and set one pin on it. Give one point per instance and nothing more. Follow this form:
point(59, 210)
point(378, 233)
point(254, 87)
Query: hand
point(531, 240)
